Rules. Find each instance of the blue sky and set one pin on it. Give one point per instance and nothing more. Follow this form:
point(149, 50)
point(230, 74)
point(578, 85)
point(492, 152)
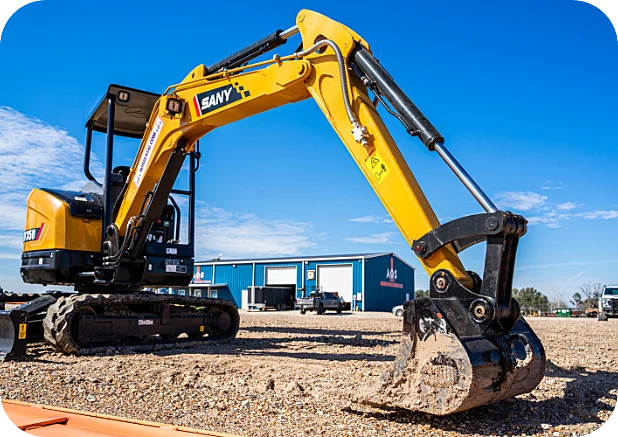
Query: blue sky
point(524, 93)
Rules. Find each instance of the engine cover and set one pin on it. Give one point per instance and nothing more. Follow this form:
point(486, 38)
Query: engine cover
point(62, 236)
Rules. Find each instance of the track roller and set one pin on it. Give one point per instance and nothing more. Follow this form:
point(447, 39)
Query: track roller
point(95, 323)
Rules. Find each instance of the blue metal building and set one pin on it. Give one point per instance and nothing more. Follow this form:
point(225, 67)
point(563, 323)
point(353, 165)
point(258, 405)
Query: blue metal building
point(370, 281)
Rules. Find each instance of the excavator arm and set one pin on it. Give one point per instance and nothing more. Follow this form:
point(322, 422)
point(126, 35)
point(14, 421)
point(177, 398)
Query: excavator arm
point(466, 345)
point(322, 70)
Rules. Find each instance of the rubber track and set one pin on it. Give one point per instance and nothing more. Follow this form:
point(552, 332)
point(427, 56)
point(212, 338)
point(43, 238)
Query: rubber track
point(10, 297)
point(57, 323)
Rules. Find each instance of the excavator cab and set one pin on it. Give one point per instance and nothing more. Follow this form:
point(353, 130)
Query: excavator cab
point(131, 111)
point(70, 239)
point(53, 256)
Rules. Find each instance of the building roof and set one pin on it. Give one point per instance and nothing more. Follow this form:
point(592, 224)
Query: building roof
point(300, 258)
point(205, 284)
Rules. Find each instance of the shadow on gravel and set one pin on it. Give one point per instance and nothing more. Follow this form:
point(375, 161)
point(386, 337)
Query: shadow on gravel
point(315, 331)
point(291, 347)
point(36, 351)
point(581, 403)
point(301, 346)
point(327, 357)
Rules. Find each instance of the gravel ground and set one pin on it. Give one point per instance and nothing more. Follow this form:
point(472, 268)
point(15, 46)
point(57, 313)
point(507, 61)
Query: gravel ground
point(292, 375)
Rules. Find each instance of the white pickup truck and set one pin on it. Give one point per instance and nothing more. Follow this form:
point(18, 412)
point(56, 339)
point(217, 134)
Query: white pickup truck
point(608, 302)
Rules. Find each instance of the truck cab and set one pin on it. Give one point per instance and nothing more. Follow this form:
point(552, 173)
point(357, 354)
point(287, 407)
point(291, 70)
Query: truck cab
point(320, 301)
point(608, 302)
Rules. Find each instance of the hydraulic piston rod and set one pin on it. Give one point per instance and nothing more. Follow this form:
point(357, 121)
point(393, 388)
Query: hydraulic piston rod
point(254, 50)
point(465, 178)
point(381, 82)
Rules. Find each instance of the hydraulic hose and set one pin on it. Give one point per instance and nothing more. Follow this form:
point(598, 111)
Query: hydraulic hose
point(359, 131)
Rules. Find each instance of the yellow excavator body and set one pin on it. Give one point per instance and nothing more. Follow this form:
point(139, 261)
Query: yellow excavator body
point(463, 346)
point(50, 225)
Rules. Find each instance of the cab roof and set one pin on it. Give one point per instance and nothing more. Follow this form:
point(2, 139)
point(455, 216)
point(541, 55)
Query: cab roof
point(130, 118)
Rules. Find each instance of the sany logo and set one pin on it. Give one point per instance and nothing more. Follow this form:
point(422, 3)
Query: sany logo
point(391, 274)
point(217, 98)
point(33, 234)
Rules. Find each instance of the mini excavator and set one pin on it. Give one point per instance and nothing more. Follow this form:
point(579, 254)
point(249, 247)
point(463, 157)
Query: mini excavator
point(464, 346)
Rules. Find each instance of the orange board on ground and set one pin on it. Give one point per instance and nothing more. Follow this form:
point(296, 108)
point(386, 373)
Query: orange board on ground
point(45, 421)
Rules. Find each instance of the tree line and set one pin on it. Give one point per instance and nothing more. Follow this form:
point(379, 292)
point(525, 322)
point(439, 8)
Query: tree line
point(531, 300)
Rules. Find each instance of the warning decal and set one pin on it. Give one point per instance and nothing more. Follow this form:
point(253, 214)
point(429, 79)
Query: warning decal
point(377, 167)
point(22, 331)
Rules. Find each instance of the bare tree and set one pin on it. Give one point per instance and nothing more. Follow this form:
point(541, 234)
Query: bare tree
point(597, 289)
point(558, 300)
point(590, 293)
point(586, 290)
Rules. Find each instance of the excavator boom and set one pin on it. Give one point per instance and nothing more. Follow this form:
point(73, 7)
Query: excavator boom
point(324, 71)
point(465, 345)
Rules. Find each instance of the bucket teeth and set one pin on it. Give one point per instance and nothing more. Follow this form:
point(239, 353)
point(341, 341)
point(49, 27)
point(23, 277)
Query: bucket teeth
point(439, 371)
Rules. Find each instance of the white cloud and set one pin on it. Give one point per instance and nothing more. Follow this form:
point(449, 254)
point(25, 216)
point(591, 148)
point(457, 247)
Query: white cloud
point(520, 200)
point(36, 154)
point(383, 238)
point(548, 213)
point(32, 154)
point(372, 219)
point(12, 241)
point(568, 264)
point(554, 218)
point(567, 206)
point(599, 214)
point(577, 275)
point(239, 235)
point(551, 220)
point(549, 185)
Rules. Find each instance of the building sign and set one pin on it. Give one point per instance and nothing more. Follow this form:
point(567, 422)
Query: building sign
point(391, 275)
point(310, 275)
point(200, 275)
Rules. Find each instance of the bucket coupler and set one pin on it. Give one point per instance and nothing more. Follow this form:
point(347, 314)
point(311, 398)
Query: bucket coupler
point(489, 301)
point(465, 348)
point(22, 325)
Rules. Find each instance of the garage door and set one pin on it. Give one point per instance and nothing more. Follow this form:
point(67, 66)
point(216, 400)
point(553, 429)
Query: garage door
point(281, 275)
point(336, 279)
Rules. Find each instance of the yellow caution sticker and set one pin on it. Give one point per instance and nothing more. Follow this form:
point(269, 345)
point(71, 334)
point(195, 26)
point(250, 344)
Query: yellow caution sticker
point(22, 331)
point(377, 167)
point(201, 329)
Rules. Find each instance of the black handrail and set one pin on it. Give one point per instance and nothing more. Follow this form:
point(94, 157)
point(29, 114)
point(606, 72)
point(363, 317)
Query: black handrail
point(87, 149)
point(178, 217)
